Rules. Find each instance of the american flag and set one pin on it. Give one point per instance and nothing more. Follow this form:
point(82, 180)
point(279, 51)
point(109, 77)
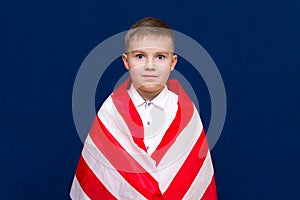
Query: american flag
point(114, 163)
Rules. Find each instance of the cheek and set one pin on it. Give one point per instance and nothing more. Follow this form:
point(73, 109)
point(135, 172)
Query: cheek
point(135, 70)
point(164, 71)
point(135, 75)
point(135, 63)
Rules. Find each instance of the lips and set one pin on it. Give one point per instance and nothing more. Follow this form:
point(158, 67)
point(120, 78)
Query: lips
point(149, 76)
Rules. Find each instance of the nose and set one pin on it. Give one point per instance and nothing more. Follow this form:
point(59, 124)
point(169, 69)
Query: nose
point(150, 65)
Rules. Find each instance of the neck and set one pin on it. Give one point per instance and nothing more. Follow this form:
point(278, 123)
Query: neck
point(149, 95)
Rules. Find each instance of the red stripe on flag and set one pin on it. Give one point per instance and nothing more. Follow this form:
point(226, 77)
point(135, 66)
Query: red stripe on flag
point(189, 170)
point(168, 139)
point(136, 132)
point(211, 191)
point(123, 162)
point(181, 120)
point(90, 184)
point(127, 110)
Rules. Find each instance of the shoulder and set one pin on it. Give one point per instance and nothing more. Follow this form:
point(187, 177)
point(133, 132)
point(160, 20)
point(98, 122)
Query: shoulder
point(172, 96)
point(106, 107)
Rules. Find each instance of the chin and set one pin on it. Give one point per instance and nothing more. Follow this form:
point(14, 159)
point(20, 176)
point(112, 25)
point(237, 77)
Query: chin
point(151, 87)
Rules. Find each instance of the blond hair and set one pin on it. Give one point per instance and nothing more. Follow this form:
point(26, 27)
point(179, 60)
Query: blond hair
point(148, 26)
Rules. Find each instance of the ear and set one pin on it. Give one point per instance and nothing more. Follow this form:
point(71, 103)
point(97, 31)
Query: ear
point(174, 61)
point(125, 61)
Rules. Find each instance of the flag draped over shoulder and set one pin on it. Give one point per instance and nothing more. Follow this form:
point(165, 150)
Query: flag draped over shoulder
point(114, 163)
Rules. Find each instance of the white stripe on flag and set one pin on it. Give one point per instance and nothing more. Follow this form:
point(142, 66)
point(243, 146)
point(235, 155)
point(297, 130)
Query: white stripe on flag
point(119, 130)
point(107, 174)
point(77, 192)
point(201, 181)
point(179, 151)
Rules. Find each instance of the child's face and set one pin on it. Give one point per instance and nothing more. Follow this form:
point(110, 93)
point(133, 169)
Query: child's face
point(150, 61)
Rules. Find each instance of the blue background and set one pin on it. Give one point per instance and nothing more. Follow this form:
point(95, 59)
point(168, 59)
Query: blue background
point(255, 45)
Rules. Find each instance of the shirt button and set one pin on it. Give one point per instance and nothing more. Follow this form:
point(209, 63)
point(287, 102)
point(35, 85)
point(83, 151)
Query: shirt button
point(149, 103)
point(148, 122)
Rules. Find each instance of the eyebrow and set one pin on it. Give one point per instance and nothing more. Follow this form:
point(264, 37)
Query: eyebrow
point(143, 52)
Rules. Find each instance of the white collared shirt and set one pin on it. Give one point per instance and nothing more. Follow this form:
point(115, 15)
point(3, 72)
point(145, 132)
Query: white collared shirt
point(157, 115)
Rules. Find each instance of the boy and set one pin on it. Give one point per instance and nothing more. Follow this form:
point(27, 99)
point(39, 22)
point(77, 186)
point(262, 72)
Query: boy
point(147, 141)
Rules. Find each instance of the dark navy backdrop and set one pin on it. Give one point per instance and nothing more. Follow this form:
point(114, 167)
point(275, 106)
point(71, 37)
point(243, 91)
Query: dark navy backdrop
point(255, 45)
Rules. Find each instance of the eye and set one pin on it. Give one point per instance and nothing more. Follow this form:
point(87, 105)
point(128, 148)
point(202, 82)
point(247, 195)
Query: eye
point(160, 57)
point(139, 56)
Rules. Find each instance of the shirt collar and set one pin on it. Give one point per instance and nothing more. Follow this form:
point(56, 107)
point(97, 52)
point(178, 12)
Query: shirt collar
point(159, 101)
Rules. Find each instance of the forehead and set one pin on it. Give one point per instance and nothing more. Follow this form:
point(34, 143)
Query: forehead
point(151, 42)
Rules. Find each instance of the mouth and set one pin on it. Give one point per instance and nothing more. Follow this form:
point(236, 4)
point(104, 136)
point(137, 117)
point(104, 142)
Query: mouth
point(149, 76)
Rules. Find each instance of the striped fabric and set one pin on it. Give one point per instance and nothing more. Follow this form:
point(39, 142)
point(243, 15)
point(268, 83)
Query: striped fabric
point(114, 163)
